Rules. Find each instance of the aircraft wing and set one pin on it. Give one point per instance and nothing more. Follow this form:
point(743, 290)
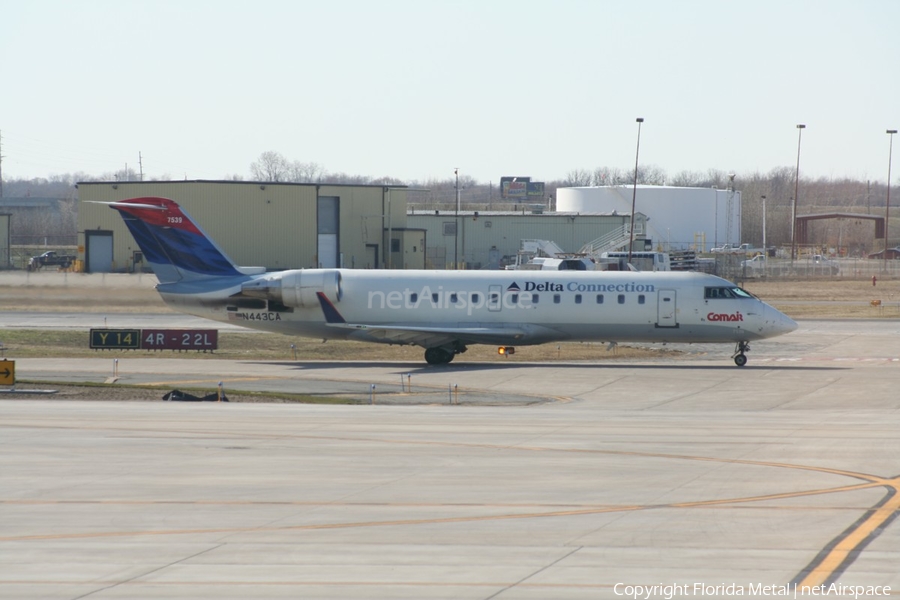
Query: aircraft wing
point(425, 336)
point(429, 337)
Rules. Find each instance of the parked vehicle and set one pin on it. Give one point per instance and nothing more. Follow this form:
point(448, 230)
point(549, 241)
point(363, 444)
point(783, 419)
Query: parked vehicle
point(732, 249)
point(892, 254)
point(51, 258)
point(814, 264)
point(756, 263)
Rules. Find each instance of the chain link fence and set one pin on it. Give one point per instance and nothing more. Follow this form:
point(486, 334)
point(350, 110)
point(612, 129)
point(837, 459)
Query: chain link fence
point(740, 268)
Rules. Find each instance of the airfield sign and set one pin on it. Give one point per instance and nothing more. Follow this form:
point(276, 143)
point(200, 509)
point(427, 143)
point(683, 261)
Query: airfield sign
point(116, 339)
point(7, 372)
point(154, 339)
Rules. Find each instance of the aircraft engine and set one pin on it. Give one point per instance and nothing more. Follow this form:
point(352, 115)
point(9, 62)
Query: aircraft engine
point(296, 288)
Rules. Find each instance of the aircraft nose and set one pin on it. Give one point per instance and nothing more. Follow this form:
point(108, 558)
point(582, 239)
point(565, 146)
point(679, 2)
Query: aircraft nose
point(780, 322)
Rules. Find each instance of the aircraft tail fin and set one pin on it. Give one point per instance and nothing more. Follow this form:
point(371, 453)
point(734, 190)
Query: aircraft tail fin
point(172, 242)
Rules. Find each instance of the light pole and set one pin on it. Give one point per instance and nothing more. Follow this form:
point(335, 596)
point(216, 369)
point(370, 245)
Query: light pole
point(800, 128)
point(765, 248)
point(456, 224)
point(637, 153)
point(887, 205)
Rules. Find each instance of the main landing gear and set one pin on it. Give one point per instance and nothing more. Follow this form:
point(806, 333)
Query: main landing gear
point(438, 356)
point(740, 359)
point(442, 356)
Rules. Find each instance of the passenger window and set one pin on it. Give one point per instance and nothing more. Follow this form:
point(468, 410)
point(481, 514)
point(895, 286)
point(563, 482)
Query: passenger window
point(435, 297)
point(514, 298)
point(495, 298)
point(454, 298)
point(599, 298)
point(641, 299)
point(577, 298)
point(556, 299)
point(413, 298)
point(535, 298)
point(474, 297)
point(621, 298)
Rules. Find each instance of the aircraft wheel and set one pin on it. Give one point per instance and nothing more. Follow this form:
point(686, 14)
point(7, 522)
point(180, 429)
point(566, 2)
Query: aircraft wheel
point(740, 360)
point(437, 356)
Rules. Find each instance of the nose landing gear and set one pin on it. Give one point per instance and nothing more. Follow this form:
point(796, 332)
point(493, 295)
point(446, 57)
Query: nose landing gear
point(740, 359)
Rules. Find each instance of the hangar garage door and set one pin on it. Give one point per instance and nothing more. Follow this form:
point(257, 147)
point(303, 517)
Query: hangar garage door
point(98, 251)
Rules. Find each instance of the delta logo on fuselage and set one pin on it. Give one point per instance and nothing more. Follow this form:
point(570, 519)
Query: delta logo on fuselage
point(575, 286)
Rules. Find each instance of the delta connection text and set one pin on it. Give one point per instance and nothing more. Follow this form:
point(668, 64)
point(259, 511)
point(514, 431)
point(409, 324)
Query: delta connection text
point(791, 590)
point(513, 297)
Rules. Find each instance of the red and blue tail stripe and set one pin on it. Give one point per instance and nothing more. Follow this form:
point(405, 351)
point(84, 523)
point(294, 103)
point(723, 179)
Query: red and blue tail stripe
point(173, 244)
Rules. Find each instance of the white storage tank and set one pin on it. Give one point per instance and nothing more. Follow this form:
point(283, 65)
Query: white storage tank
point(680, 218)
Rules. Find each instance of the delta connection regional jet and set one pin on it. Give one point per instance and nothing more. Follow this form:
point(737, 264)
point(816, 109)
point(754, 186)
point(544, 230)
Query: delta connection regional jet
point(444, 311)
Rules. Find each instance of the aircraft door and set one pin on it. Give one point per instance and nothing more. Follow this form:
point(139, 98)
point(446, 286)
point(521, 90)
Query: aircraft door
point(666, 314)
point(495, 294)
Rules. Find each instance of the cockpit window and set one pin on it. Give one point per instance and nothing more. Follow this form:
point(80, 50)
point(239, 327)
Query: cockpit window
point(726, 292)
point(717, 293)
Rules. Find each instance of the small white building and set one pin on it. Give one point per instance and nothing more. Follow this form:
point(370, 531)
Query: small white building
point(679, 218)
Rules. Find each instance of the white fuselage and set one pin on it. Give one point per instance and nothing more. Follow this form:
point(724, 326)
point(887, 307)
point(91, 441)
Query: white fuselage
point(536, 306)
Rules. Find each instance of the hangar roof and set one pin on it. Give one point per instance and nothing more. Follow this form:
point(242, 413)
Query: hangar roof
point(233, 182)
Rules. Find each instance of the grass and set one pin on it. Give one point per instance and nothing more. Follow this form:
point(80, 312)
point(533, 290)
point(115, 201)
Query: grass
point(28, 343)
point(829, 299)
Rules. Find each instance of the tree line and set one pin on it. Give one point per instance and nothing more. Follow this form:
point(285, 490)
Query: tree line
point(843, 195)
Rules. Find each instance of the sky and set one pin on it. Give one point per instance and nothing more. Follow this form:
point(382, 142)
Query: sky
point(415, 88)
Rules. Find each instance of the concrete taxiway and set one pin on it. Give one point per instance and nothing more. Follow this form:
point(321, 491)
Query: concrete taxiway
point(600, 476)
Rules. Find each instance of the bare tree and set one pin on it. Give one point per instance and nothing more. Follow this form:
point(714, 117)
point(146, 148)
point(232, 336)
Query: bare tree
point(578, 178)
point(688, 179)
point(650, 175)
point(306, 172)
point(346, 179)
point(271, 166)
point(609, 176)
point(392, 181)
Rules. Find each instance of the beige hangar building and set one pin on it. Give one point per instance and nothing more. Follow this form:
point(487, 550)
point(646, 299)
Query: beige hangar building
point(306, 225)
point(488, 240)
point(274, 225)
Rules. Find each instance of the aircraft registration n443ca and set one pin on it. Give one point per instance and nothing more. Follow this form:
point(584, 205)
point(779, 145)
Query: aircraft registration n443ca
point(444, 312)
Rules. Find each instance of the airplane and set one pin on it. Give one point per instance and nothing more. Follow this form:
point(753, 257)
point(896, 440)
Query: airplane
point(444, 312)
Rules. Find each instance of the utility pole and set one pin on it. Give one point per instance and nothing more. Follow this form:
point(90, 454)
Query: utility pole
point(456, 224)
point(887, 205)
point(800, 128)
point(1, 164)
point(141, 165)
point(637, 153)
